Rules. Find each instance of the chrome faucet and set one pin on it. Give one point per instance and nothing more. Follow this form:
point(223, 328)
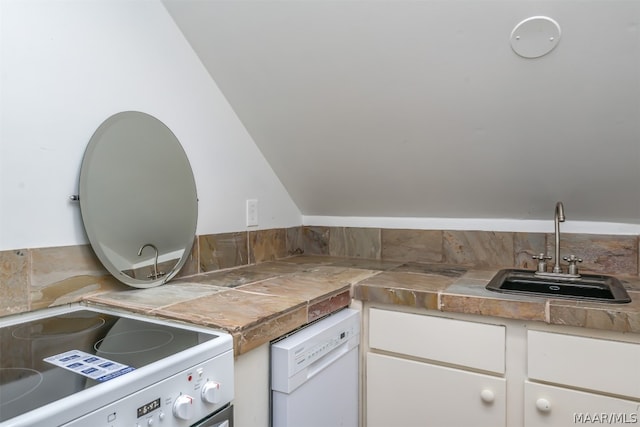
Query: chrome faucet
point(558, 217)
point(572, 271)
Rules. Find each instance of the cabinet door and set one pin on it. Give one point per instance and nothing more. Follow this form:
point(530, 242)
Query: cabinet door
point(586, 363)
point(408, 393)
point(546, 405)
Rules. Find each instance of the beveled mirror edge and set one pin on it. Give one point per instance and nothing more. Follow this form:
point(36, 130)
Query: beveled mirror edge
point(91, 235)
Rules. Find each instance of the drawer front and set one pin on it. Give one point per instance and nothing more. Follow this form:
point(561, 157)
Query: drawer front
point(407, 393)
point(590, 363)
point(546, 405)
point(475, 345)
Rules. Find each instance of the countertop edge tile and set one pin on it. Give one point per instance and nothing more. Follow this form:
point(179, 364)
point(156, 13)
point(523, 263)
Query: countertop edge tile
point(610, 317)
point(263, 332)
point(495, 307)
point(397, 296)
point(328, 305)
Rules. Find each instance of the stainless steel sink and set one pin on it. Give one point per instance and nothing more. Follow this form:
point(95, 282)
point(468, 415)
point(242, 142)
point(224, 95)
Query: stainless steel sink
point(588, 287)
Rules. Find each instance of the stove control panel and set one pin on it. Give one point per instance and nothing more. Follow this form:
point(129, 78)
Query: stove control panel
point(179, 400)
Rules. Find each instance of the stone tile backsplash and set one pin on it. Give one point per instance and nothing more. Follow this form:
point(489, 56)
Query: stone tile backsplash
point(600, 253)
point(315, 240)
point(525, 246)
point(608, 254)
point(218, 251)
point(355, 242)
point(14, 282)
point(412, 245)
point(478, 248)
point(36, 278)
point(267, 245)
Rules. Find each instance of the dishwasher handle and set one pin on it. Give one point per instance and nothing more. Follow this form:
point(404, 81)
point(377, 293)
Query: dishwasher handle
point(322, 363)
point(292, 382)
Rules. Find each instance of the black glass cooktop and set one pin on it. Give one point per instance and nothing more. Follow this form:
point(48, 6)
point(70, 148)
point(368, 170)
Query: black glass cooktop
point(47, 359)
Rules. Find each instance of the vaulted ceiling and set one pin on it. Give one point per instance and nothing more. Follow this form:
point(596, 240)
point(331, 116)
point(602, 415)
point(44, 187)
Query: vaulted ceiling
point(422, 108)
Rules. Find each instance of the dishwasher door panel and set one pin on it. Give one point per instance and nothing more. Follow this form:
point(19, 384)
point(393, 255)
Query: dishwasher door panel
point(328, 399)
point(315, 373)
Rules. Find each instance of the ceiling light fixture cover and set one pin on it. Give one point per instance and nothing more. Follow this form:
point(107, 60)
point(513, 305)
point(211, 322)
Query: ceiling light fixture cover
point(535, 37)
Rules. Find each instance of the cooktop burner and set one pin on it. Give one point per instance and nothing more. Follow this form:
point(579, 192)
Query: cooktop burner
point(43, 360)
point(17, 383)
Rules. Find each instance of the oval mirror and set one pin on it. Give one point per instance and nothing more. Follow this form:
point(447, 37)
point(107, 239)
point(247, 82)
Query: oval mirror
point(138, 199)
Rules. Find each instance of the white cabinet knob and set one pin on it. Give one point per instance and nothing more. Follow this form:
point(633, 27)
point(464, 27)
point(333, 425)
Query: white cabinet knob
point(543, 405)
point(183, 407)
point(211, 392)
point(487, 396)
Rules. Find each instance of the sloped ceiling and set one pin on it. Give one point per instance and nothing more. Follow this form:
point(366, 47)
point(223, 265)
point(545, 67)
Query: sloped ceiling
point(422, 109)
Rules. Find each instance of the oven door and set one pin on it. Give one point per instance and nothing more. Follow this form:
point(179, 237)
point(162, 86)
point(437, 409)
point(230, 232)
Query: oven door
point(222, 418)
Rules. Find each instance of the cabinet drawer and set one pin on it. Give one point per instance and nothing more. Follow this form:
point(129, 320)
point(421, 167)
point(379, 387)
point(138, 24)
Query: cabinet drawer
point(407, 393)
point(590, 363)
point(555, 406)
point(475, 345)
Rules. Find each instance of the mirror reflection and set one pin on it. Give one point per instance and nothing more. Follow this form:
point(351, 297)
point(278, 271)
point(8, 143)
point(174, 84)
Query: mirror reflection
point(138, 199)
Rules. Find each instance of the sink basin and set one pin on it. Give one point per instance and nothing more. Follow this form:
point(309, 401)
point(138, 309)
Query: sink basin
point(589, 287)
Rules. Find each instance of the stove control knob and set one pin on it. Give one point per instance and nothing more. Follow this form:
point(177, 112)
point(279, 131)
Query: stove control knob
point(211, 392)
point(183, 407)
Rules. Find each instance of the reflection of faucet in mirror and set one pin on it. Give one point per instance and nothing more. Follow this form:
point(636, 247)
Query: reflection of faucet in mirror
point(156, 274)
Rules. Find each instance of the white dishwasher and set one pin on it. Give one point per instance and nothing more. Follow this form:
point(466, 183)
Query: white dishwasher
point(314, 374)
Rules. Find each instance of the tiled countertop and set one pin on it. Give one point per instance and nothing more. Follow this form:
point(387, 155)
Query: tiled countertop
point(256, 304)
point(259, 303)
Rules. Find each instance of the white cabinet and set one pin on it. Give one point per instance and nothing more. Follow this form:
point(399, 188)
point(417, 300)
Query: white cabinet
point(251, 401)
point(431, 371)
point(595, 381)
point(547, 405)
point(408, 393)
point(475, 345)
point(584, 362)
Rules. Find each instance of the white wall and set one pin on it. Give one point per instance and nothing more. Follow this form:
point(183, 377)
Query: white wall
point(68, 65)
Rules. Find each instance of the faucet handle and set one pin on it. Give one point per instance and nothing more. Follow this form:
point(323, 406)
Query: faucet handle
point(573, 261)
point(542, 262)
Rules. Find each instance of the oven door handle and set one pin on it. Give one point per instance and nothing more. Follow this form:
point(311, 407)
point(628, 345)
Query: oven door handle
point(222, 418)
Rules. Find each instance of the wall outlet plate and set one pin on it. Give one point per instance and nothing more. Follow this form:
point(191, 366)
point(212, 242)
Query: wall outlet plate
point(252, 212)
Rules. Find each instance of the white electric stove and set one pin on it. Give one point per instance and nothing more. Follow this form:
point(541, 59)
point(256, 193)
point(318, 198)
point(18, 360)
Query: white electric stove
point(84, 366)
